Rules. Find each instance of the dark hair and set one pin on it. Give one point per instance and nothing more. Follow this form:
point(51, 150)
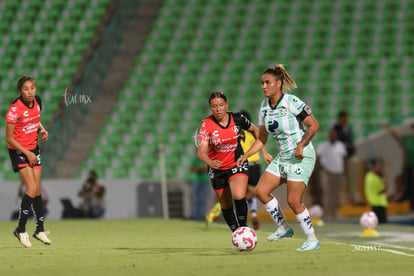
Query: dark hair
point(280, 73)
point(373, 161)
point(22, 80)
point(342, 113)
point(217, 95)
point(246, 114)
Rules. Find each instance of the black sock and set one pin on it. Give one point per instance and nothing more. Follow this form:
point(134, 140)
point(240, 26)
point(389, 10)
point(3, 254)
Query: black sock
point(25, 206)
point(241, 211)
point(38, 213)
point(230, 218)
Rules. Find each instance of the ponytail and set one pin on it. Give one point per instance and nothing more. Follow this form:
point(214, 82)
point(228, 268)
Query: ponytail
point(280, 73)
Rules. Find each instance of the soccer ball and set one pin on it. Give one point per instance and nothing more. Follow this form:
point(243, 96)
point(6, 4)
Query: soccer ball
point(244, 239)
point(316, 211)
point(368, 220)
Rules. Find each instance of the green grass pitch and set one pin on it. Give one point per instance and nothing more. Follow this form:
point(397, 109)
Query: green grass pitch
point(180, 247)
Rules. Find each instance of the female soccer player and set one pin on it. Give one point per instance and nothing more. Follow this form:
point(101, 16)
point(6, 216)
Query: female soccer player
point(23, 125)
point(284, 116)
point(219, 147)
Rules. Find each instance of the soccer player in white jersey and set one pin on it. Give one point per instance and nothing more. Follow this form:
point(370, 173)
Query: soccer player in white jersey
point(291, 124)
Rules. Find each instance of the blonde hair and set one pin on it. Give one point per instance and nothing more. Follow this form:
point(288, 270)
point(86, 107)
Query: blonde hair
point(280, 73)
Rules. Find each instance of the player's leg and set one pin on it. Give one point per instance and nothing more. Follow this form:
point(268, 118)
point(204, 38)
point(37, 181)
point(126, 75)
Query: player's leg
point(213, 213)
point(295, 192)
point(267, 183)
point(38, 209)
point(238, 187)
point(254, 177)
point(28, 178)
point(226, 202)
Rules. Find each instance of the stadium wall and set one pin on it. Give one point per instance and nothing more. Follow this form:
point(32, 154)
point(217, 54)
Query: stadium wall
point(122, 197)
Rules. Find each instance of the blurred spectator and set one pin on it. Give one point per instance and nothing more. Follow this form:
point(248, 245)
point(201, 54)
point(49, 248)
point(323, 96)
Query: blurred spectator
point(199, 188)
point(375, 190)
point(331, 156)
point(93, 195)
point(21, 192)
point(344, 132)
point(407, 141)
point(345, 135)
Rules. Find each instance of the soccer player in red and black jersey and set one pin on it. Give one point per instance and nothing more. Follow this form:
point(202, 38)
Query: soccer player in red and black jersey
point(23, 127)
point(219, 147)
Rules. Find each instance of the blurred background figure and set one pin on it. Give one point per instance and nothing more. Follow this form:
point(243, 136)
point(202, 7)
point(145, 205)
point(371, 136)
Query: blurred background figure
point(407, 143)
point(93, 195)
point(345, 135)
point(331, 155)
point(375, 189)
point(199, 188)
point(20, 193)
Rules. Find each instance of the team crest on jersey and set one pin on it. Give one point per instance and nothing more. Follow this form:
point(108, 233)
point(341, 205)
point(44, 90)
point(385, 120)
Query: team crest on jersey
point(283, 111)
point(236, 129)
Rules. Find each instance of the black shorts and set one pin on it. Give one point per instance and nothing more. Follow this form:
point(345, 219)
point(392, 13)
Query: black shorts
point(220, 178)
point(19, 160)
point(255, 171)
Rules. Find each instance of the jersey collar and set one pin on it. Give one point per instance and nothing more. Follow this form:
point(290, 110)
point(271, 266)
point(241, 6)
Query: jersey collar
point(270, 104)
point(228, 122)
point(21, 99)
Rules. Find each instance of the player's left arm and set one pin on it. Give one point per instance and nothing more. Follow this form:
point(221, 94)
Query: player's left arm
point(43, 132)
point(312, 127)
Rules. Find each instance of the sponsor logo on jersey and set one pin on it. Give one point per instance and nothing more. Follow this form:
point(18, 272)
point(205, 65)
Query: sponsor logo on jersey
point(11, 116)
point(226, 148)
point(29, 128)
point(26, 113)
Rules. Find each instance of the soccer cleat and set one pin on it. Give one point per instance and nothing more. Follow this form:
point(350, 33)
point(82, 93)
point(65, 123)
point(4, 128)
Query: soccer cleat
point(213, 214)
point(255, 223)
point(41, 236)
point(23, 238)
point(280, 234)
point(309, 245)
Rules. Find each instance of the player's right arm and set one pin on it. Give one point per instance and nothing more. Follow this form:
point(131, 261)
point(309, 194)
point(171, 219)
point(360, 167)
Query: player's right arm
point(203, 156)
point(257, 145)
point(202, 150)
point(31, 157)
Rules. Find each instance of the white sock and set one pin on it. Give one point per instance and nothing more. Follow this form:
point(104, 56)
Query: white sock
point(306, 224)
point(273, 208)
point(253, 205)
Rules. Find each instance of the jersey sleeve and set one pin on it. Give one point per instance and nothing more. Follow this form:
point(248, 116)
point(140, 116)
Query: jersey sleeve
point(12, 115)
point(203, 136)
point(299, 108)
point(241, 120)
point(261, 114)
point(39, 102)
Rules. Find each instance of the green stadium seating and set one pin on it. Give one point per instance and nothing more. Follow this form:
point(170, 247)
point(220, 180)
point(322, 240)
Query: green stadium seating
point(45, 39)
point(355, 56)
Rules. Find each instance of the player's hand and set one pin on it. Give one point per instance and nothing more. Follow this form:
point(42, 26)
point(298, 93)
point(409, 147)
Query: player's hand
point(267, 158)
point(45, 134)
point(299, 152)
point(241, 160)
point(215, 164)
point(32, 159)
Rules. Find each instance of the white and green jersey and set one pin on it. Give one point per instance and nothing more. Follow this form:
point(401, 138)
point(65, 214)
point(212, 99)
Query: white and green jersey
point(284, 121)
